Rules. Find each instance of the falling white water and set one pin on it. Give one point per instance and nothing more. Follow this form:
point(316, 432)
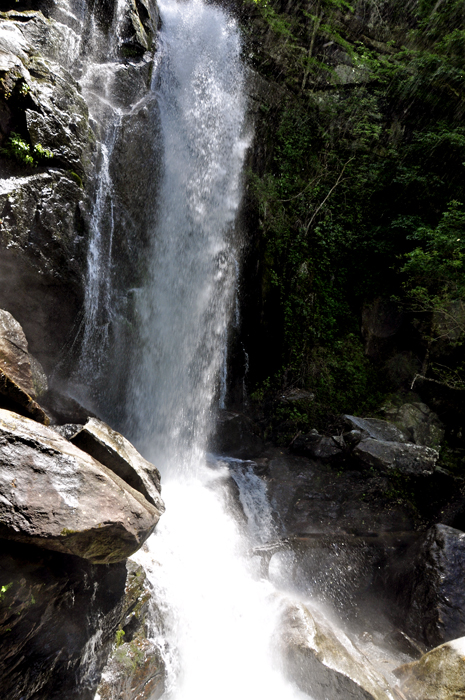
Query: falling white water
point(219, 616)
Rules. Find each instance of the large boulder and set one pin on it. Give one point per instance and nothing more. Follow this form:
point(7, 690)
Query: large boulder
point(376, 429)
point(113, 450)
point(325, 664)
point(418, 422)
point(429, 586)
point(438, 675)
point(56, 496)
point(405, 458)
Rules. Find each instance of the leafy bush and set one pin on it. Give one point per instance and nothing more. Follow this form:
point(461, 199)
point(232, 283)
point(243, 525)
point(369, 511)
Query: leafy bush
point(18, 149)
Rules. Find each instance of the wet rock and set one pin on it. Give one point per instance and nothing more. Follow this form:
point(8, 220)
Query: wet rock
point(429, 586)
point(376, 429)
point(324, 663)
point(58, 618)
point(352, 438)
point(418, 423)
point(405, 458)
point(310, 497)
point(236, 436)
point(135, 669)
point(68, 430)
point(438, 675)
point(58, 497)
point(113, 450)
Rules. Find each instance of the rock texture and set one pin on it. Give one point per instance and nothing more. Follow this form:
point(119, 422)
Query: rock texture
point(237, 436)
point(418, 422)
point(58, 497)
point(135, 669)
point(113, 450)
point(438, 675)
point(326, 665)
point(58, 619)
point(429, 586)
point(405, 458)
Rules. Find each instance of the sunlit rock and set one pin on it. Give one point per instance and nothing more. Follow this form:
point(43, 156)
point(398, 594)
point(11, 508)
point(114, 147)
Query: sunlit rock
point(56, 496)
point(405, 458)
point(325, 664)
point(376, 429)
point(438, 675)
point(113, 450)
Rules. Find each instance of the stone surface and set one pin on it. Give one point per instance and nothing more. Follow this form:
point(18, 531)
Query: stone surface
point(381, 320)
point(326, 664)
point(376, 429)
point(405, 458)
point(428, 584)
point(58, 497)
point(135, 669)
point(418, 423)
point(113, 450)
point(308, 497)
point(316, 446)
point(58, 618)
point(438, 675)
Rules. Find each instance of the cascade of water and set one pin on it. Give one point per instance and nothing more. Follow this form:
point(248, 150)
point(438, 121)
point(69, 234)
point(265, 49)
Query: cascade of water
point(219, 616)
point(97, 80)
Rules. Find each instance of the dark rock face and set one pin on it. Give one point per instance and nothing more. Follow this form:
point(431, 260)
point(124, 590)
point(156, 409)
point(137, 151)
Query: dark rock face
point(58, 497)
point(236, 436)
point(135, 669)
point(58, 616)
point(429, 586)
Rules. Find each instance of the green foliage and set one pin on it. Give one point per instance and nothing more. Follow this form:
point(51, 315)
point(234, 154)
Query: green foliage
point(4, 589)
point(18, 149)
point(119, 637)
point(361, 197)
point(435, 271)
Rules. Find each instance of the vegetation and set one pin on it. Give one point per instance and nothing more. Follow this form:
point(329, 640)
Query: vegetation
point(18, 149)
point(360, 195)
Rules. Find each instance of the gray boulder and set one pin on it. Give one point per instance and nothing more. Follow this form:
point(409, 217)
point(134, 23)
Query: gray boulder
point(315, 446)
point(406, 458)
point(376, 429)
point(438, 675)
point(113, 450)
point(55, 496)
point(324, 664)
point(418, 422)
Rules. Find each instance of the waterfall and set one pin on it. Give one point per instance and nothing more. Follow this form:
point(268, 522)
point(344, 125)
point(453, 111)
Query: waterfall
point(219, 615)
